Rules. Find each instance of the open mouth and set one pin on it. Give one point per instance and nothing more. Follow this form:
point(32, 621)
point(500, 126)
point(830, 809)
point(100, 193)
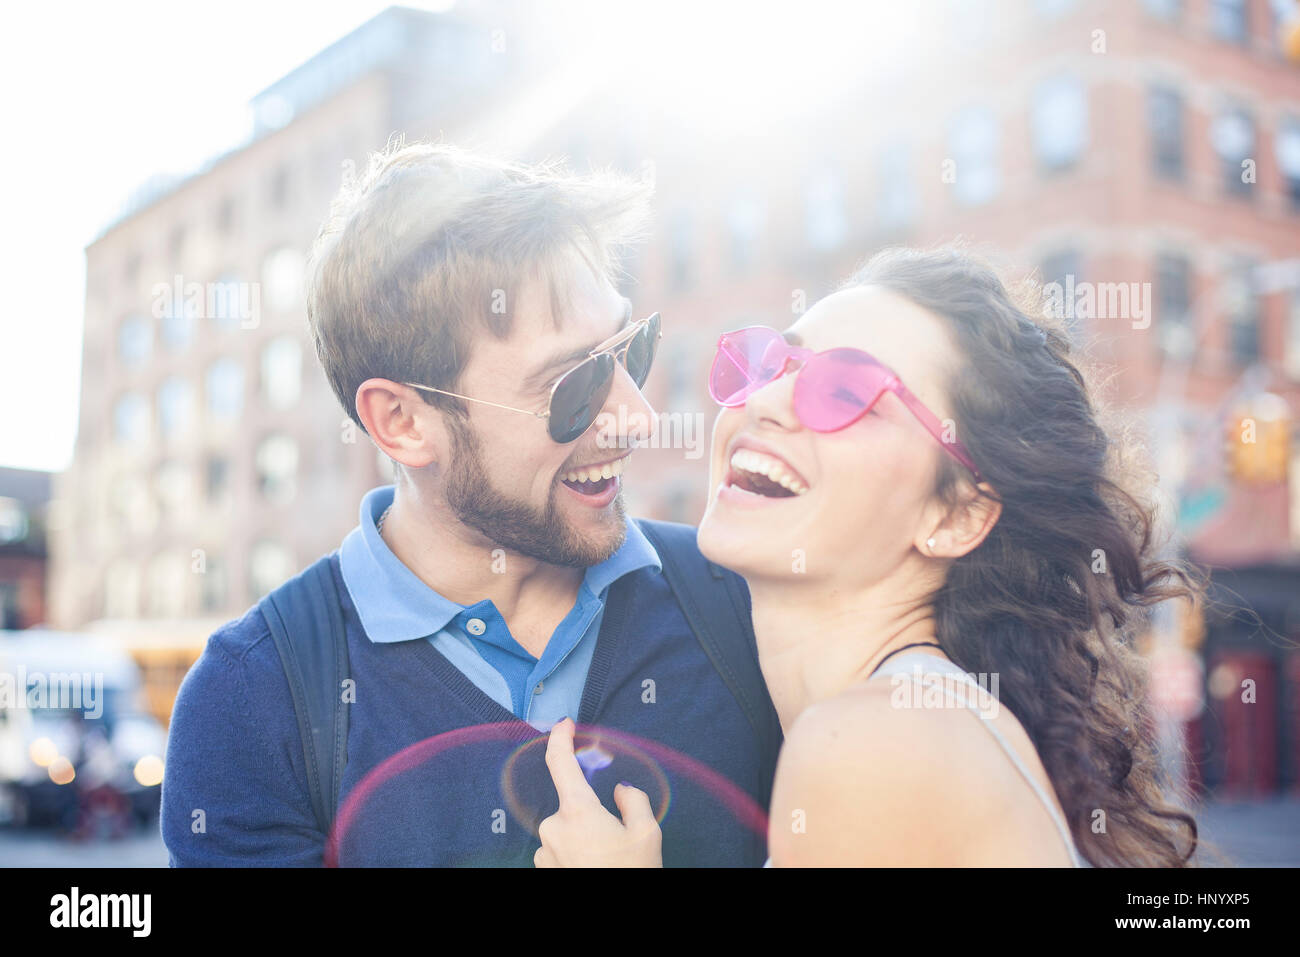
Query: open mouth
point(594, 479)
point(764, 475)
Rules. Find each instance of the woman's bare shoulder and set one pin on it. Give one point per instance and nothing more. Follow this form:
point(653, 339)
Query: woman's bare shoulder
point(863, 779)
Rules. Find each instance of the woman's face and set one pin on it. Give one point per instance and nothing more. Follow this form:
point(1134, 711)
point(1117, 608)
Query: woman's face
point(868, 488)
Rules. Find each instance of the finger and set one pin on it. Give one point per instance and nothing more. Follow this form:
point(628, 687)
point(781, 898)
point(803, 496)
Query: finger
point(545, 858)
point(634, 806)
point(570, 783)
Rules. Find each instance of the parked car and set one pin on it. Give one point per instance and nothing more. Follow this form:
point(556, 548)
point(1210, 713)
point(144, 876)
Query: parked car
point(78, 752)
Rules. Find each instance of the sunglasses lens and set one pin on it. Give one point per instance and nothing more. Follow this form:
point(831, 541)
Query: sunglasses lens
point(579, 396)
point(836, 388)
point(746, 360)
point(641, 351)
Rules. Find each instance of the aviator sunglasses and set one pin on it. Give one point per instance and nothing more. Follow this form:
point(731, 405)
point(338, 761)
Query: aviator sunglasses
point(833, 388)
point(579, 395)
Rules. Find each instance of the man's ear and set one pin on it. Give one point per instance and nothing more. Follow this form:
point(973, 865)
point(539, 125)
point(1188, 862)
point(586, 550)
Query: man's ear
point(404, 427)
point(966, 524)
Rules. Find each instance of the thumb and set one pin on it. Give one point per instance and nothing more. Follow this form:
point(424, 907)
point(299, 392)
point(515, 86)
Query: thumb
point(634, 806)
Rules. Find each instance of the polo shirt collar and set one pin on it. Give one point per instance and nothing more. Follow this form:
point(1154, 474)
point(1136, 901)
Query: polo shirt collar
point(395, 605)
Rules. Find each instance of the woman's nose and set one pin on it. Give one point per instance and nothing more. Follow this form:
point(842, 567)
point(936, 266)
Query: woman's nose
point(774, 401)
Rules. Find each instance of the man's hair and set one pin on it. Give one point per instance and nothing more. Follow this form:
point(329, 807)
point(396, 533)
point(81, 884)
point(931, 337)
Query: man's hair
point(432, 243)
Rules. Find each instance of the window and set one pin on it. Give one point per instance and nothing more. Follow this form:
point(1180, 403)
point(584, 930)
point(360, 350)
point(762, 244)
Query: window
point(1229, 20)
point(681, 250)
point(121, 589)
point(13, 521)
point(1241, 305)
point(280, 188)
point(1165, 120)
point(1059, 122)
point(131, 419)
point(134, 340)
point(282, 372)
point(745, 217)
point(175, 407)
point(1284, 12)
point(231, 303)
point(269, 565)
point(1174, 304)
point(166, 586)
point(276, 462)
point(825, 217)
point(213, 586)
point(216, 479)
point(173, 487)
point(282, 279)
point(226, 216)
point(973, 145)
point(1288, 158)
point(1291, 345)
point(1054, 8)
point(1168, 10)
point(225, 388)
point(178, 322)
point(1233, 136)
point(130, 504)
point(897, 204)
point(1060, 274)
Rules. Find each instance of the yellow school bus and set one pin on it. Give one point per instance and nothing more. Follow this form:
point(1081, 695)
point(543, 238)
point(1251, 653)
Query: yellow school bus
point(164, 651)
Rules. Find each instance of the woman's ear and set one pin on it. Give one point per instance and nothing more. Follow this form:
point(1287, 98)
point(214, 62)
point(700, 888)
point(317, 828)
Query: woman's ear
point(966, 524)
point(406, 429)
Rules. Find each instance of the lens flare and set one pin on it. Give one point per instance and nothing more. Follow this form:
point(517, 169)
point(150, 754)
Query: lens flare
point(606, 756)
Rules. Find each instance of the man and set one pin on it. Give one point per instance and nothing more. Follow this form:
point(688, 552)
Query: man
point(465, 314)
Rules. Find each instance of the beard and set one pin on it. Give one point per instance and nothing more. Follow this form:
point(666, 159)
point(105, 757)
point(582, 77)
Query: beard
point(540, 533)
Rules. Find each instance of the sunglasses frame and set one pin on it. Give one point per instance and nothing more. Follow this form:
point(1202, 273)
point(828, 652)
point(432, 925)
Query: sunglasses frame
point(893, 383)
point(623, 337)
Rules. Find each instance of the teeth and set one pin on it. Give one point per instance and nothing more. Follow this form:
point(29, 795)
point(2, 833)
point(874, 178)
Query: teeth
point(596, 472)
point(756, 463)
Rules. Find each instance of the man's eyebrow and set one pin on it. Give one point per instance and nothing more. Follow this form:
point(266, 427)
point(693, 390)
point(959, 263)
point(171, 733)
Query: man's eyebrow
point(561, 361)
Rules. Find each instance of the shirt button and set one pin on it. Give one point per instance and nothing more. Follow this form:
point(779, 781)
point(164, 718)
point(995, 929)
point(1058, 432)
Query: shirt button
point(475, 626)
point(538, 689)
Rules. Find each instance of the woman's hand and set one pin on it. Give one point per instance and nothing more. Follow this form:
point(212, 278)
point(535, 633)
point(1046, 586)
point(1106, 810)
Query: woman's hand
point(582, 833)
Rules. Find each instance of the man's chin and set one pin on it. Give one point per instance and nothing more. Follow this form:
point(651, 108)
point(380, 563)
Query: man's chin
point(597, 533)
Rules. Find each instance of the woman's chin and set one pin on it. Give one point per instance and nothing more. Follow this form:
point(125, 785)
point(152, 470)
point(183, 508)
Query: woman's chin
point(733, 542)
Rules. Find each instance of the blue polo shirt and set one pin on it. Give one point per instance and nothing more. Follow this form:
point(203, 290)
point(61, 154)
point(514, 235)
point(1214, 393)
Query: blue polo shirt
point(395, 605)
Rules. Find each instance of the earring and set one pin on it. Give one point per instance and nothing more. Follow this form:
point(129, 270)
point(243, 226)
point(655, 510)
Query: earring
point(929, 543)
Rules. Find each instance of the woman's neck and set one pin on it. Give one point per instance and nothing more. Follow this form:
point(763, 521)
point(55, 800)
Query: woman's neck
point(816, 639)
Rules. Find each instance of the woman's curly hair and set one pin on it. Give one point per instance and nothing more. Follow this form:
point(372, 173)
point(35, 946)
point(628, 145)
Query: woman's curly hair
point(1029, 603)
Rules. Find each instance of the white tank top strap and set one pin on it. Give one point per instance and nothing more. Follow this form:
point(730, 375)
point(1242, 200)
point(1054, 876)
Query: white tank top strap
point(917, 665)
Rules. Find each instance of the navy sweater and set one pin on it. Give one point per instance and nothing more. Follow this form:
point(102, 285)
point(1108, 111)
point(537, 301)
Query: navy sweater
point(235, 789)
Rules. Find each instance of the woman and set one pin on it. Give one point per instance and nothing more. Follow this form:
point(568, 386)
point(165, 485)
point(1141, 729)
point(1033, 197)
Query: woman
point(915, 485)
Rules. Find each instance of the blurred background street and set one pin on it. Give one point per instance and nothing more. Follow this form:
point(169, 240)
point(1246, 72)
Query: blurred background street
point(1249, 834)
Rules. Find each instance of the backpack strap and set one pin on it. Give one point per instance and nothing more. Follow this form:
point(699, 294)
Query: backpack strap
point(306, 622)
point(715, 602)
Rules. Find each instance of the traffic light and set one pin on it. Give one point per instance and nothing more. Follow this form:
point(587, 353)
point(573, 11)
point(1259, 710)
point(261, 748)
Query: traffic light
point(1258, 441)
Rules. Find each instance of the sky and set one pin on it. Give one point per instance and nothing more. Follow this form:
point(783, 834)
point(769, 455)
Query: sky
point(97, 97)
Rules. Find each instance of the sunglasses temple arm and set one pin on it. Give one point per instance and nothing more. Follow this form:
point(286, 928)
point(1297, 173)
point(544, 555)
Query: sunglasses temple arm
point(932, 425)
point(469, 398)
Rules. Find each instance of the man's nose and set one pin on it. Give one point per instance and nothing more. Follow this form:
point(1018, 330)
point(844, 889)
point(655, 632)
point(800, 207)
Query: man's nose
point(638, 414)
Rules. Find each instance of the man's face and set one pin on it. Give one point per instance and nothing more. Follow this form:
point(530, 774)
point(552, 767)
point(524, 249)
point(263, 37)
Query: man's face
point(507, 477)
